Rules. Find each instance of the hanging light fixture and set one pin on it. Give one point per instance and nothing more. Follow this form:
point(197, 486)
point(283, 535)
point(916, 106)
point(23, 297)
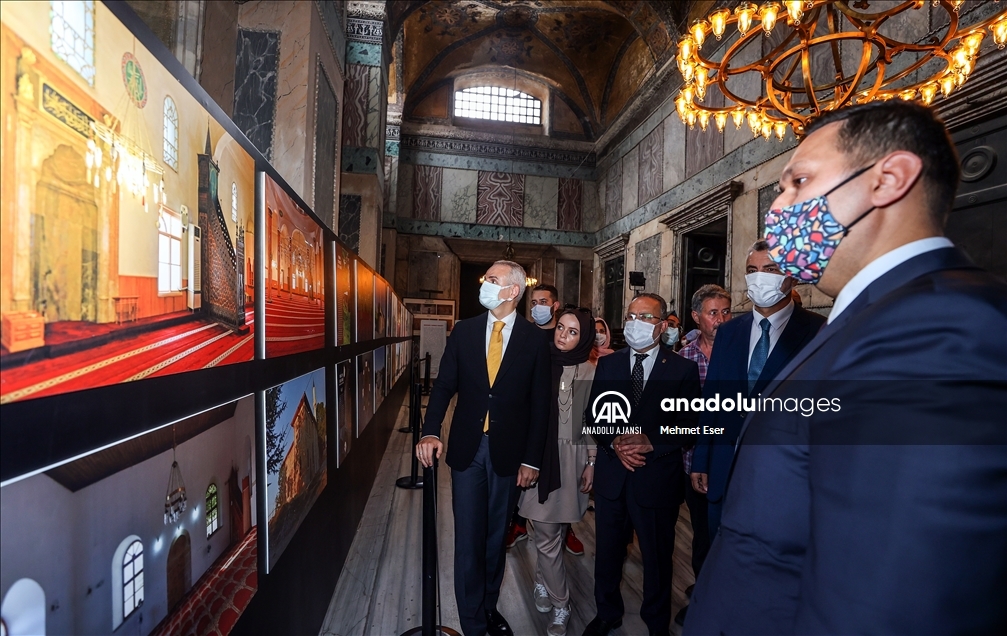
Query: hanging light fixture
point(794, 90)
point(175, 500)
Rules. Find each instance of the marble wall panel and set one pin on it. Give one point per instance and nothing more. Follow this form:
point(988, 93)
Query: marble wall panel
point(570, 204)
point(500, 199)
point(326, 147)
point(332, 18)
point(404, 200)
point(540, 201)
point(459, 195)
point(652, 165)
point(363, 53)
point(593, 214)
point(648, 260)
point(375, 121)
point(256, 76)
point(702, 148)
point(355, 105)
point(350, 207)
point(427, 193)
point(630, 181)
point(674, 152)
point(613, 193)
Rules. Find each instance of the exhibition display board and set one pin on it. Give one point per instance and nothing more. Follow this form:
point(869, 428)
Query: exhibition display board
point(188, 353)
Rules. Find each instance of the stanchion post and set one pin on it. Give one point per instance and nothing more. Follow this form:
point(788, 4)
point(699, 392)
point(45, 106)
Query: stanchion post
point(412, 481)
point(426, 374)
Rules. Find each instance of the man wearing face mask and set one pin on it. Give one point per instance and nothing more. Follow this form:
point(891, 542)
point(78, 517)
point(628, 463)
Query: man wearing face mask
point(749, 351)
point(888, 514)
point(544, 306)
point(498, 364)
point(638, 476)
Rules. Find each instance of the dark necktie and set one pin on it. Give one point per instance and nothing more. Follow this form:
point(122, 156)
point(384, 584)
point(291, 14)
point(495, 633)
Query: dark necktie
point(759, 356)
point(636, 378)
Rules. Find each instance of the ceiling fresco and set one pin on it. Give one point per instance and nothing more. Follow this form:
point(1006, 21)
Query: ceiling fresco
point(594, 54)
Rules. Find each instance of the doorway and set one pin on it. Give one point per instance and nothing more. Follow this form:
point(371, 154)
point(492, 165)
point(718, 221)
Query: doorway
point(704, 258)
point(179, 569)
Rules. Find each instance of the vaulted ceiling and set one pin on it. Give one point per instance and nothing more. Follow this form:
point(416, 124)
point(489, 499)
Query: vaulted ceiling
point(594, 54)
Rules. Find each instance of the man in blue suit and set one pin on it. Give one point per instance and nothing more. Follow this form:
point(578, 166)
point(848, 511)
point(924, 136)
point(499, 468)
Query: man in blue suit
point(638, 479)
point(880, 505)
point(749, 351)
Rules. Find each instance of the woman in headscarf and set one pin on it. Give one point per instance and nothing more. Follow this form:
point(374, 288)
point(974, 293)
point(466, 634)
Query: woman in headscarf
point(603, 339)
point(567, 475)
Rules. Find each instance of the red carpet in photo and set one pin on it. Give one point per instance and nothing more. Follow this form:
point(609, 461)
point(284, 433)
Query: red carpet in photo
point(196, 344)
point(294, 324)
point(213, 605)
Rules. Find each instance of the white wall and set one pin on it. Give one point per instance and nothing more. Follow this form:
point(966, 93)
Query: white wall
point(66, 541)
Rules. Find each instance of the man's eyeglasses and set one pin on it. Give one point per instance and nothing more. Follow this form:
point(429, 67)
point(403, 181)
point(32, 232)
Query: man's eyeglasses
point(643, 317)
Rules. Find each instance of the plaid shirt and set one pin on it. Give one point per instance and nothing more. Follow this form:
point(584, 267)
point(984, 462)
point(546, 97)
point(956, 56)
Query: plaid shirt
point(692, 352)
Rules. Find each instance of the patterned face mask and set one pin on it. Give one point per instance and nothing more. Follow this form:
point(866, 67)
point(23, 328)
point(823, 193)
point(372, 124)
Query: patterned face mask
point(802, 237)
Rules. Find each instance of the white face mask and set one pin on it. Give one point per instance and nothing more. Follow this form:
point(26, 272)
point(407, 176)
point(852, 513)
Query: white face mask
point(670, 336)
point(764, 289)
point(639, 334)
point(489, 295)
point(541, 314)
point(599, 339)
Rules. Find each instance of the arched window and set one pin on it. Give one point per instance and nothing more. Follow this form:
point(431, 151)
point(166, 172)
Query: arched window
point(132, 579)
point(170, 133)
point(498, 104)
point(212, 511)
point(71, 31)
point(234, 202)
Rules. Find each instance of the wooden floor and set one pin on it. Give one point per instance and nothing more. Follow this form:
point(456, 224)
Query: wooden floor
point(379, 590)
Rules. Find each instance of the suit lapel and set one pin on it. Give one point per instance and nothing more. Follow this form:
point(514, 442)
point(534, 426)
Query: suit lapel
point(657, 373)
point(795, 331)
point(740, 343)
point(517, 337)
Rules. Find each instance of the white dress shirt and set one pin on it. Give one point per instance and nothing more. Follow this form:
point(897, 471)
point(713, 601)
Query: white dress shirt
point(648, 362)
point(508, 322)
point(777, 323)
point(881, 266)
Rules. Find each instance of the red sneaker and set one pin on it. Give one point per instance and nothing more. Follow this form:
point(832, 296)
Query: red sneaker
point(573, 544)
point(516, 533)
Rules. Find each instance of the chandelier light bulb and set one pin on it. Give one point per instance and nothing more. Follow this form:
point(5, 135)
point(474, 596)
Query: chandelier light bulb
point(767, 128)
point(745, 12)
point(682, 106)
point(753, 122)
point(721, 120)
point(780, 128)
point(699, 31)
point(690, 118)
point(767, 14)
point(738, 115)
point(718, 21)
point(795, 8)
point(957, 4)
point(688, 70)
point(704, 120)
point(702, 74)
point(999, 30)
point(688, 94)
point(972, 41)
point(908, 94)
point(947, 84)
point(685, 48)
point(960, 56)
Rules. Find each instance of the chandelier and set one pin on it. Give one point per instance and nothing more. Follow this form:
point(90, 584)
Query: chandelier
point(175, 500)
point(119, 149)
point(811, 69)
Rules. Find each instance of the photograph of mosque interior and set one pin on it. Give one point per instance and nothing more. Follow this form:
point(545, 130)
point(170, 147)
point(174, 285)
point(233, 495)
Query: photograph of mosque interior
point(503, 317)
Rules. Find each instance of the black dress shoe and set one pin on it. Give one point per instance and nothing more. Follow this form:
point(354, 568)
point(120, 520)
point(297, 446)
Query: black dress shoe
point(680, 617)
point(599, 627)
point(496, 625)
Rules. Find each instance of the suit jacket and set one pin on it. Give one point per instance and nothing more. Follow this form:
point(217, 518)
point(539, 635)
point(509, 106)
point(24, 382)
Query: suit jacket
point(728, 376)
point(890, 514)
point(672, 377)
point(518, 402)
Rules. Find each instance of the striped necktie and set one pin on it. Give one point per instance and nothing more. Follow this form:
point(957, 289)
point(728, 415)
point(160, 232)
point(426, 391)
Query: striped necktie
point(759, 356)
point(493, 358)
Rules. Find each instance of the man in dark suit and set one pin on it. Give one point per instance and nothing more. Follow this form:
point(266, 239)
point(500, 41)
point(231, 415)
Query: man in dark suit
point(498, 365)
point(639, 477)
point(885, 512)
point(749, 351)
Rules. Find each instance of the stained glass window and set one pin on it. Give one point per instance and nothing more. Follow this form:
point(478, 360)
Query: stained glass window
point(169, 252)
point(234, 202)
point(498, 104)
point(132, 579)
point(71, 29)
point(212, 514)
point(170, 133)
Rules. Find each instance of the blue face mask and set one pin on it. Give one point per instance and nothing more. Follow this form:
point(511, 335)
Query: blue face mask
point(804, 236)
point(541, 314)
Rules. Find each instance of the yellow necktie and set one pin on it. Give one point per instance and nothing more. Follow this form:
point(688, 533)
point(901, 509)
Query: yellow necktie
point(493, 357)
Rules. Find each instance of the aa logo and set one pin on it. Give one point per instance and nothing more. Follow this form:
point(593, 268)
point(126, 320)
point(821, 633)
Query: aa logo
point(611, 411)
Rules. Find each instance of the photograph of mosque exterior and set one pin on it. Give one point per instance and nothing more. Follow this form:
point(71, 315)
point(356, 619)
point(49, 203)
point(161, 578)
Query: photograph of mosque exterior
point(295, 276)
point(127, 212)
point(295, 455)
